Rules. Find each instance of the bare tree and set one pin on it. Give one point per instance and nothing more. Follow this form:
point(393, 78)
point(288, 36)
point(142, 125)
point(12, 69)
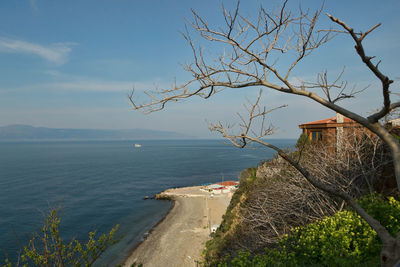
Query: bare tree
point(249, 59)
point(281, 199)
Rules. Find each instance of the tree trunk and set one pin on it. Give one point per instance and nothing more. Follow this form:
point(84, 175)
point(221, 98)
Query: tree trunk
point(390, 254)
point(394, 146)
point(395, 149)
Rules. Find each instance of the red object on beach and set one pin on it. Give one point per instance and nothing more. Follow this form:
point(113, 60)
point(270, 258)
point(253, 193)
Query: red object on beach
point(228, 183)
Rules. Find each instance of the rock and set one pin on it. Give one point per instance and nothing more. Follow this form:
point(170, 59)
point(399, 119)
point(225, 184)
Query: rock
point(162, 196)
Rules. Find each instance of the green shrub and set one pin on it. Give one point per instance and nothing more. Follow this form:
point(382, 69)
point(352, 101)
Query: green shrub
point(386, 211)
point(48, 249)
point(302, 141)
point(343, 239)
point(336, 240)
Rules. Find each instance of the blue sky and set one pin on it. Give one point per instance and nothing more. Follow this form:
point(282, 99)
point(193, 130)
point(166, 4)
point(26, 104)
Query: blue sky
point(71, 64)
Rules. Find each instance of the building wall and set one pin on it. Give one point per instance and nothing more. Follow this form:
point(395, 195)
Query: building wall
point(330, 135)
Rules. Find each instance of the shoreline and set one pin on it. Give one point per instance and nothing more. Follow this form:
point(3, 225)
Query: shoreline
point(173, 202)
point(145, 236)
point(132, 250)
point(179, 238)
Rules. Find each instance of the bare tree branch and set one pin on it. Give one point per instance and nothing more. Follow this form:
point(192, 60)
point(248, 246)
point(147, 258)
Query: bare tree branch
point(374, 68)
point(249, 59)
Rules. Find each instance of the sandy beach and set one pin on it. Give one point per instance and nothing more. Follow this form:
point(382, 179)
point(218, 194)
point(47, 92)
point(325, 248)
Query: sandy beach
point(180, 238)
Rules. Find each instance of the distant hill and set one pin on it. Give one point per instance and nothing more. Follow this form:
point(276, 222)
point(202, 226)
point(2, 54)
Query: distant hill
point(27, 132)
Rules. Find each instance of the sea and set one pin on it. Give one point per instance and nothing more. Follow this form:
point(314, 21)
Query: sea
point(99, 184)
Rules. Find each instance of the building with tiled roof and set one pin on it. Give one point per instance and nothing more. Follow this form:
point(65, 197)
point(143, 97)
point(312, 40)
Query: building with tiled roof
point(332, 132)
point(327, 130)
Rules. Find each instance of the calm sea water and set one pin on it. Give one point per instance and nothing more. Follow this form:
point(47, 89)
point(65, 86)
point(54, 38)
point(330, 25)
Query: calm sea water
point(101, 184)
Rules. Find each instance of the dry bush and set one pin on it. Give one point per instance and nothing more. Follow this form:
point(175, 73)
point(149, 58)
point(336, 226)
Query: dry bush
point(355, 167)
point(281, 198)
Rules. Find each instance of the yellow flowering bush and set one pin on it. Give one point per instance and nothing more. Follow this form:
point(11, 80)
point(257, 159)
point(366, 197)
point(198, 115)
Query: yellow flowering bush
point(343, 239)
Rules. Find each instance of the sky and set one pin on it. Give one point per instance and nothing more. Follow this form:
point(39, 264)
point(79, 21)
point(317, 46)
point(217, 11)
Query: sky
point(72, 64)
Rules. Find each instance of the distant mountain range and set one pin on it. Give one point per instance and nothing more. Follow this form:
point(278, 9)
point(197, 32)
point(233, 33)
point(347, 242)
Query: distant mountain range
point(27, 132)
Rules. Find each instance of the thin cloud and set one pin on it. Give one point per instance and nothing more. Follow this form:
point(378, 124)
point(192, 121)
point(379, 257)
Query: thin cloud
point(61, 81)
point(76, 83)
point(105, 86)
point(56, 53)
point(33, 4)
point(82, 86)
point(54, 73)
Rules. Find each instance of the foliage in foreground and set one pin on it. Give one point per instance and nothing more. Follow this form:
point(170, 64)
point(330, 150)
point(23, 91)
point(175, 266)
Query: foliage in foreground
point(48, 248)
point(343, 239)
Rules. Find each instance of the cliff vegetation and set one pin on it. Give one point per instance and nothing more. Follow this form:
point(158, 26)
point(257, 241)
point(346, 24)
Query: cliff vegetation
point(277, 218)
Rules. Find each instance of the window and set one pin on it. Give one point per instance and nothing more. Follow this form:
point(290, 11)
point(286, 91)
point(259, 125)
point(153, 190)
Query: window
point(316, 136)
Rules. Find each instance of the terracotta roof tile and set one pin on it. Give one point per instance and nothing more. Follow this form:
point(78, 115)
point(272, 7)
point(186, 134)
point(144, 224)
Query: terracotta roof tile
point(327, 121)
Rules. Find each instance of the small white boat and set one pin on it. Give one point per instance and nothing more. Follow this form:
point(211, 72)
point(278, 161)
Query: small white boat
point(138, 145)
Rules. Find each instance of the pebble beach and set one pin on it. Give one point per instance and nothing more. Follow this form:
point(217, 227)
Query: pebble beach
point(179, 239)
